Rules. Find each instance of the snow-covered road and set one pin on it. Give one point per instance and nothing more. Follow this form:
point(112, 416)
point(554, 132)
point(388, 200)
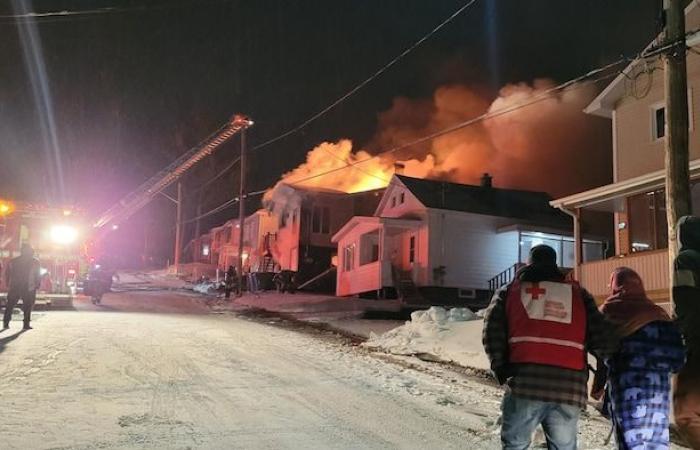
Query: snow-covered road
point(127, 376)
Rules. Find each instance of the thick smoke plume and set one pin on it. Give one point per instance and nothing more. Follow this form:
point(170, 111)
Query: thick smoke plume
point(548, 146)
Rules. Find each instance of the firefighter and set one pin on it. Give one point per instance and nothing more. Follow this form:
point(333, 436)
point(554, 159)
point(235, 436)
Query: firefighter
point(23, 277)
point(537, 332)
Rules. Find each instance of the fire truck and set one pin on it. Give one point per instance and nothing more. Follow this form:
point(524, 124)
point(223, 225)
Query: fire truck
point(55, 233)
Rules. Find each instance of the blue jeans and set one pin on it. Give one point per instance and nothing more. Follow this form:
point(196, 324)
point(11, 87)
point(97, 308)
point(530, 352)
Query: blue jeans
point(522, 416)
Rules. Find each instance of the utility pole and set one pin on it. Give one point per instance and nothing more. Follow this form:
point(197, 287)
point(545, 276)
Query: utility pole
point(678, 200)
point(178, 227)
point(241, 211)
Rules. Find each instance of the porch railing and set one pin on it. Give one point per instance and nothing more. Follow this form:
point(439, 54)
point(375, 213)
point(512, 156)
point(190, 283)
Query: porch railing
point(504, 277)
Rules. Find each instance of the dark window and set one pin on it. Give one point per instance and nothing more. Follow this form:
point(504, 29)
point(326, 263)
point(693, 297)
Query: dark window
point(326, 220)
point(393, 202)
point(648, 229)
point(402, 198)
point(412, 250)
point(659, 123)
point(321, 220)
point(316, 220)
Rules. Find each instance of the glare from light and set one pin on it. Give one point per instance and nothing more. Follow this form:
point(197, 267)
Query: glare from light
point(67, 212)
point(115, 227)
point(43, 271)
point(63, 234)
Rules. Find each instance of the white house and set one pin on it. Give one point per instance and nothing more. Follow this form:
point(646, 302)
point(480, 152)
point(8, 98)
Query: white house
point(433, 242)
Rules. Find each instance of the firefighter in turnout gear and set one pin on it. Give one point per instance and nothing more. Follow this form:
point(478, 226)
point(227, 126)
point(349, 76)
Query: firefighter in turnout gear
point(23, 277)
point(537, 332)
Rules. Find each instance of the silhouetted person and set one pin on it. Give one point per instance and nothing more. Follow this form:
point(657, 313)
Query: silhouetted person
point(686, 302)
point(230, 281)
point(23, 278)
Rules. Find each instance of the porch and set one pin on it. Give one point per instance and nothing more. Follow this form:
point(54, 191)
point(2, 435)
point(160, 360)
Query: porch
point(370, 249)
point(638, 215)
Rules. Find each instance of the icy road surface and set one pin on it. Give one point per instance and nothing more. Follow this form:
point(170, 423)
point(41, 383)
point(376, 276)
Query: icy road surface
point(133, 374)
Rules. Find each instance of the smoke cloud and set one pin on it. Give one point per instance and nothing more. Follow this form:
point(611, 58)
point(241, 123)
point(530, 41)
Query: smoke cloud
point(549, 146)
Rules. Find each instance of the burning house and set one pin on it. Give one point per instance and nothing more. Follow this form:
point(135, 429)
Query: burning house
point(307, 220)
point(434, 242)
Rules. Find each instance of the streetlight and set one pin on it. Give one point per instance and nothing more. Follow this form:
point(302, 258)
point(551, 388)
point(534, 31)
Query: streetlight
point(6, 207)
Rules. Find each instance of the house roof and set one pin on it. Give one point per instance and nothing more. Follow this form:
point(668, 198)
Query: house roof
point(378, 221)
point(611, 196)
point(526, 206)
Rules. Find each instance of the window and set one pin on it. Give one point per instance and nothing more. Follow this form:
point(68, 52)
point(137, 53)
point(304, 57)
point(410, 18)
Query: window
point(466, 293)
point(369, 247)
point(412, 250)
point(205, 250)
point(349, 257)
point(647, 221)
point(658, 122)
point(402, 198)
point(326, 220)
point(321, 220)
point(393, 201)
point(562, 245)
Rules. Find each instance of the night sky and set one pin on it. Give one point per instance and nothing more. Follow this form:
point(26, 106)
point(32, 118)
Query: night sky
point(134, 88)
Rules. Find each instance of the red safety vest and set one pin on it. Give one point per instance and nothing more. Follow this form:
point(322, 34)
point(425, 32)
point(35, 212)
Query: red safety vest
point(546, 324)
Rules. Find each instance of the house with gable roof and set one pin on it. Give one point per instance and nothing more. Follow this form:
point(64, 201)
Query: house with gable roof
point(433, 242)
point(635, 104)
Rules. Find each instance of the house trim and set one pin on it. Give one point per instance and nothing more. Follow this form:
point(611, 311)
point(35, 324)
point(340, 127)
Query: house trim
point(601, 196)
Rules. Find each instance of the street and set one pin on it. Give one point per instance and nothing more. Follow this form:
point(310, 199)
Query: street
point(105, 377)
point(154, 370)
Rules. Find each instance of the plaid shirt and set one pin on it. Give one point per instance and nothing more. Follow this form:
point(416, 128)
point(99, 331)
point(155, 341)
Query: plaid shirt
point(540, 382)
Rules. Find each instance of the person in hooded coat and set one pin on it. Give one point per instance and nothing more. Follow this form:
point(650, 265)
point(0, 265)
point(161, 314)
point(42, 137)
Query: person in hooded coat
point(686, 301)
point(651, 348)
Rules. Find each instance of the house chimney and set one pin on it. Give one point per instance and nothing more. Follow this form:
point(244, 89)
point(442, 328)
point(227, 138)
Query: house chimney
point(399, 168)
point(486, 180)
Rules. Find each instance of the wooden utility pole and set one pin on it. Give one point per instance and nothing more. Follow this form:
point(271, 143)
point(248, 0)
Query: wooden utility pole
point(678, 201)
point(241, 211)
point(178, 227)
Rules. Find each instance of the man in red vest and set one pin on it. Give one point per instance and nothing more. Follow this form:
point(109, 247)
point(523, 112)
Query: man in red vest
point(537, 332)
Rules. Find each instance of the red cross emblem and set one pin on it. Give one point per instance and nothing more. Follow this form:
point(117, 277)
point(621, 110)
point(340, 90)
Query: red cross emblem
point(535, 291)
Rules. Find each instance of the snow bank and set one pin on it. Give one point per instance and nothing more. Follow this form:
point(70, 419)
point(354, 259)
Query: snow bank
point(205, 288)
point(451, 336)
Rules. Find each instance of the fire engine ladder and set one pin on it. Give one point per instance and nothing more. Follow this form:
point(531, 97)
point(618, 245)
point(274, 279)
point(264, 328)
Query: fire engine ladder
point(139, 198)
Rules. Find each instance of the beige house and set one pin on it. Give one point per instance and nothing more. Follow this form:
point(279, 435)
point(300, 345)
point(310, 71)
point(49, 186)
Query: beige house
point(635, 103)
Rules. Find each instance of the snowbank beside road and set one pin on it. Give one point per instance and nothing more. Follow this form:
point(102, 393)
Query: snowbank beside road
point(451, 336)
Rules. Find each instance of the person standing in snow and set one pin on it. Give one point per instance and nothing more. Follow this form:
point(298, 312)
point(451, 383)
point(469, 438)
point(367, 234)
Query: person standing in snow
point(537, 331)
point(638, 374)
point(230, 281)
point(686, 301)
point(23, 277)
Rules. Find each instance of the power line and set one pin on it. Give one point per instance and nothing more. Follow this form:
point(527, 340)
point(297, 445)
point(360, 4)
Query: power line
point(359, 86)
point(545, 95)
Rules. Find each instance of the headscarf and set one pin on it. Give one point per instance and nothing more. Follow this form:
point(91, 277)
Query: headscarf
point(628, 307)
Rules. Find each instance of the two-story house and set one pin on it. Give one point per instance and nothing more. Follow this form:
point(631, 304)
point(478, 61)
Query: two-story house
point(635, 103)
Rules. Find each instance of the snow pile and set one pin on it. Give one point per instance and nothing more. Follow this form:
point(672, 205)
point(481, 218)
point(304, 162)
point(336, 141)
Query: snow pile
point(207, 287)
point(451, 336)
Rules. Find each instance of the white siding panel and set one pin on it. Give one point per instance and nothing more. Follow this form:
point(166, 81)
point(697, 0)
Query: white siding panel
point(651, 266)
point(470, 248)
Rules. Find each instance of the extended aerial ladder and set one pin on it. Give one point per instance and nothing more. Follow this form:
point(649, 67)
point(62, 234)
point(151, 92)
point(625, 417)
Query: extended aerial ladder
point(143, 195)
